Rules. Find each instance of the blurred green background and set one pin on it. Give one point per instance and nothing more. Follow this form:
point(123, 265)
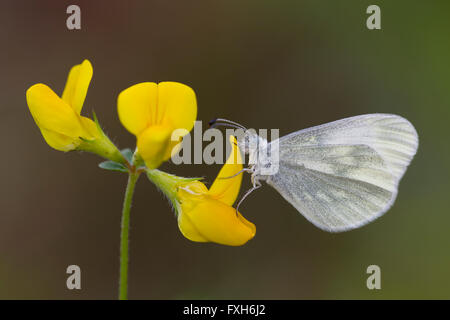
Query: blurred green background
point(265, 64)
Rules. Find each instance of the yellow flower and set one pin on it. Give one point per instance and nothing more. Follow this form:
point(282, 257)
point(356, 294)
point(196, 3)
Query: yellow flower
point(59, 119)
point(207, 215)
point(152, 112)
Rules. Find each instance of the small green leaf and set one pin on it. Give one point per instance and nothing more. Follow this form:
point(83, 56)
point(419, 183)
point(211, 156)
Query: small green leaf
point(113, 166)
point(128, 154)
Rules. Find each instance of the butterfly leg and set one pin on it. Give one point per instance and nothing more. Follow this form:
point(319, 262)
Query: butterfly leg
point(238, 173)
point(256, 185)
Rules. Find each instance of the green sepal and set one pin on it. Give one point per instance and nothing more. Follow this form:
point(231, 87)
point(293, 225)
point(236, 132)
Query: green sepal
point(168, 183)
point(94, 115)
point(113, 166)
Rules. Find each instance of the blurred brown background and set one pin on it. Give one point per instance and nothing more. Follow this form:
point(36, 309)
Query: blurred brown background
point(266, 64)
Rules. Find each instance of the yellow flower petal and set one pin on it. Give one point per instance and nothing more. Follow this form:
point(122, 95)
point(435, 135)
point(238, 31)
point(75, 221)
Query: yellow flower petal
point(135, 106)
point(51, 113)
point(152, 145)
point(213, 221)
point(90, 128)
point(77, 85)
point(172, 148)
point(189, 230)
point(192, 191)
point(177, 106)
point(227, 190)
point(59, 141)
point(203, 218)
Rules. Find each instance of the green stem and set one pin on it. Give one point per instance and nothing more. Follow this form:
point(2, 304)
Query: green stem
point(123, 284)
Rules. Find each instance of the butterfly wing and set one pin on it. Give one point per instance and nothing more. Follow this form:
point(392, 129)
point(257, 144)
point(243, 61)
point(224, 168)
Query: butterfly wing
point(392, 137)
point(344, 174)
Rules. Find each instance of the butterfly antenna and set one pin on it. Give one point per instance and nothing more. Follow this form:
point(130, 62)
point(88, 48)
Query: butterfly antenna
point(231, 122)
point(215, 125)
point(225, 122)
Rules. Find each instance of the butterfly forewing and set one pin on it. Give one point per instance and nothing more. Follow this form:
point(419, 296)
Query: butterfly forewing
point(392, 136)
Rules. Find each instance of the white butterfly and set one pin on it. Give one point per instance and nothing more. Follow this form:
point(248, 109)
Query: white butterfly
point(340, 175)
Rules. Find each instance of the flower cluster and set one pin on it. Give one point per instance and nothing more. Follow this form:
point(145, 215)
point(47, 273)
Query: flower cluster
point(151, 112)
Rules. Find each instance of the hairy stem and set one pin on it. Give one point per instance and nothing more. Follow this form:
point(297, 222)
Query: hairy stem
point(123, 284)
